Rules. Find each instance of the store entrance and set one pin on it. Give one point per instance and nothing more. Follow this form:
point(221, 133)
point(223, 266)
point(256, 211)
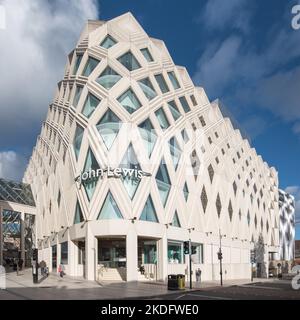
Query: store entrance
point(112, 259)
point(147, 259)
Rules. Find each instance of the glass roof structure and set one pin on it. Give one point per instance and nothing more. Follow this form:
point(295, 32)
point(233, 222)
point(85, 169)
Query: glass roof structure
point(16, 192)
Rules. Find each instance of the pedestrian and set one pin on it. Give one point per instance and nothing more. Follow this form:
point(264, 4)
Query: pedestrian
point(198, 275)
point(20, 264)
point(43, 266)
point(61, 270)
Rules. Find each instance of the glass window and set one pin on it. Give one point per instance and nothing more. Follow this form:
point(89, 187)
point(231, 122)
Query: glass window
point(130, 161)
point(148, 213)
point(163, 182)
point(162, 119)
point(175, 152)
point(162, 83)
point(78, 218)
point(77, 95)
point(108, 128)
point(175, 221)
point(90, 105)
point(186, 191)
point(174, 110)
point(90, 66)
point(108, 78)
point(129, 61)
point(185, 104)
point(91, 164)
point(148, 135)
point(64, 253)
point(193, 100)
point(110, 209)
point(58, 198)
point(147, 88)
point(108, 42)
point(202, 121)
point(175, 252)
point(77, 63)
point(77, 140)
point(174, 80)
point(130, 101)
point(195, 162)
point(198, 257)
point(184, 135)
point(147, 54)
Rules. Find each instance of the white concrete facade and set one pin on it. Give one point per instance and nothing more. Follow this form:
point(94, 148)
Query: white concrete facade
point(217, 182)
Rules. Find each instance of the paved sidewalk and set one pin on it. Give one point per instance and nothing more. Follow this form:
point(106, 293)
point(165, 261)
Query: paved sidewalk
point(67, 288)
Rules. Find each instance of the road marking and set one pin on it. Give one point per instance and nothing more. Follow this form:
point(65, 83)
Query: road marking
point(183, 295)
point(205, 296)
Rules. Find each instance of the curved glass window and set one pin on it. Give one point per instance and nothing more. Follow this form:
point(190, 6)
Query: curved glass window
point(130, 161)
point(77, 95)
point(147, 88)
point(78, 140)
point(175, 221)
point(174, 110)
point(108, 42)
point(129, 101)
point(162, 119)
point(90, 105)
point(162, 83)
point(78, 214)
point(110, 209)
point(108, 78)
point(91, 165)
point(148, 135)
point(186, 191)
point(174, 80)
point(77, 63)
point(90, 66)
point(129, 61)
point(185, 104)
point(148, 213)
point(147, 54)
point(175, 152)
point(163, 182)
point(108, 128)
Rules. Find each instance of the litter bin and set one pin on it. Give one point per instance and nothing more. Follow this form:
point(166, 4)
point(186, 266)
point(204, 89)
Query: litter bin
point(172, 282)
point(181, 281)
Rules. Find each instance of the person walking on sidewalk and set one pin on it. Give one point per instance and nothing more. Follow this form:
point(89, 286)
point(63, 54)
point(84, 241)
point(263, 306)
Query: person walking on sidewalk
point(61, 269)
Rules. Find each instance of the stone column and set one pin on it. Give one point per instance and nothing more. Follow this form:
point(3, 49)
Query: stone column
point(90, 254)
point(131, 256)
point(22, 242)
point(162, 263)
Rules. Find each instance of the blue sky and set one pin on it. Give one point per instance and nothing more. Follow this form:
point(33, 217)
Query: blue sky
point(244, 52)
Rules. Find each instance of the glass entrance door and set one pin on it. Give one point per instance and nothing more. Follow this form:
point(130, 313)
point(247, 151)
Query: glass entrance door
point(112, 253)
point(54, 257)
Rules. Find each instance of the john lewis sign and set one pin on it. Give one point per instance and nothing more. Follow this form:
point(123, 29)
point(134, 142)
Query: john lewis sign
point(111, 173)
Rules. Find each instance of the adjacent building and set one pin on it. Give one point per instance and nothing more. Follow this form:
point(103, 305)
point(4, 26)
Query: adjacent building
point(133, 160)
point(287, 226)
point(17, 223)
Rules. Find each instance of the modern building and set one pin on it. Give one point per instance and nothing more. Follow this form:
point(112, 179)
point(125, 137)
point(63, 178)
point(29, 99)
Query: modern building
point(287, 226)
point(17, 222)
point(133, 160)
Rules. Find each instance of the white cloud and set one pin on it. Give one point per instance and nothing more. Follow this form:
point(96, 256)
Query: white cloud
point(219, 14)
point(237, 72)
point(37, 38)
point(11, 165)
point(34, 47)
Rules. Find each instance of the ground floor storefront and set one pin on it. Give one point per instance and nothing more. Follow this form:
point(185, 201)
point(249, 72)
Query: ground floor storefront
point(120, 251)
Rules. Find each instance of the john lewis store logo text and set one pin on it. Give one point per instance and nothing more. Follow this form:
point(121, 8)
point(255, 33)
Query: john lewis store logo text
point(111, 173)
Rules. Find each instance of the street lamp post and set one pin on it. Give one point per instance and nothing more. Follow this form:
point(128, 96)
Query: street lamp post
point(220, 257)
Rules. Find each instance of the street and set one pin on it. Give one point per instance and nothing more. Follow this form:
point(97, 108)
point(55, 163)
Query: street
point(275, 290)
